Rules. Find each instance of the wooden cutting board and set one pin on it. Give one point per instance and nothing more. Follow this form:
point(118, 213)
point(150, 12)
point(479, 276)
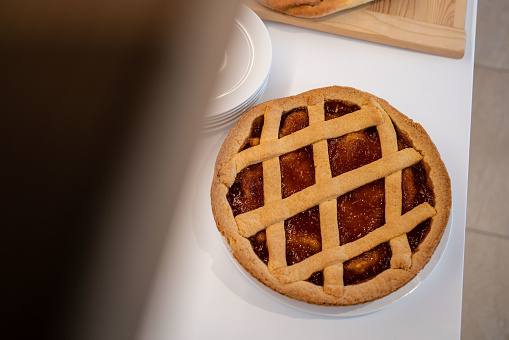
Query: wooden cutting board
point(430, 26)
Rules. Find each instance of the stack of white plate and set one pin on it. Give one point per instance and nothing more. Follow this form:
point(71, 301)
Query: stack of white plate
point(242, 77)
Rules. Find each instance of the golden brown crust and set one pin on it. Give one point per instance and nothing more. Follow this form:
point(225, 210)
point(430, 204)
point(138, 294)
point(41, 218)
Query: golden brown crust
point(311, 8)
point(276, 275)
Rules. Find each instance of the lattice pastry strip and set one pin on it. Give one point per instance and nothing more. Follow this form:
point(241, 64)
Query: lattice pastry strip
point(256, 220)
point(275, 233)
point(339, 254)
point(401, 253)
point(355, 121)
point(332, 275)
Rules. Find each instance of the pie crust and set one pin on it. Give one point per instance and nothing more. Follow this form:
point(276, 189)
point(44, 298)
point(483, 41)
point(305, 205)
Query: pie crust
point(311, 8)
point(291, 280)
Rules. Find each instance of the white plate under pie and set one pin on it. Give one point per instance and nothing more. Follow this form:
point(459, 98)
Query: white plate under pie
point(357, 310)
point(246, 64)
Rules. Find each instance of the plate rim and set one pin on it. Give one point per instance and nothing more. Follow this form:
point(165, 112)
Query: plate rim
point(260, 68)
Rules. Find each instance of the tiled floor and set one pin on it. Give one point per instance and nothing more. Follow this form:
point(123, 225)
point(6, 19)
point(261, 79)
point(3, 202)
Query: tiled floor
point(486, 291)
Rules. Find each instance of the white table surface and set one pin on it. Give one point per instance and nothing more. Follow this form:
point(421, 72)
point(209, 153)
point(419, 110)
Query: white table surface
point(199, 293)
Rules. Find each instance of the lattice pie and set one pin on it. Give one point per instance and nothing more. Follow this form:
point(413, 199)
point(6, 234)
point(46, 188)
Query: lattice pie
point(331, 197)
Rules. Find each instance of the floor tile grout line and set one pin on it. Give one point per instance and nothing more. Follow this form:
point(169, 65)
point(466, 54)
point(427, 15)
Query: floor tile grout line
point(487, 233)
point(492, 68)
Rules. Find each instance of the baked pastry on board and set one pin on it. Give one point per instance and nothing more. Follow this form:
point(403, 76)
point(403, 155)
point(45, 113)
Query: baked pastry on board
point(331, 197)
point(311, 8)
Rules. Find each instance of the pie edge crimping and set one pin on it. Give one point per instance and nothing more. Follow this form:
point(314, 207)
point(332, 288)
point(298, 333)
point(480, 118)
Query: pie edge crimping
point(375, 288)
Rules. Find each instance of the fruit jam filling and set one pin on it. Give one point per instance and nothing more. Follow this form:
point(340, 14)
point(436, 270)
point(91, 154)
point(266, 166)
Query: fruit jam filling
point(415, 191)
point(302, 231)
point(359, 211)
point(362, 210)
